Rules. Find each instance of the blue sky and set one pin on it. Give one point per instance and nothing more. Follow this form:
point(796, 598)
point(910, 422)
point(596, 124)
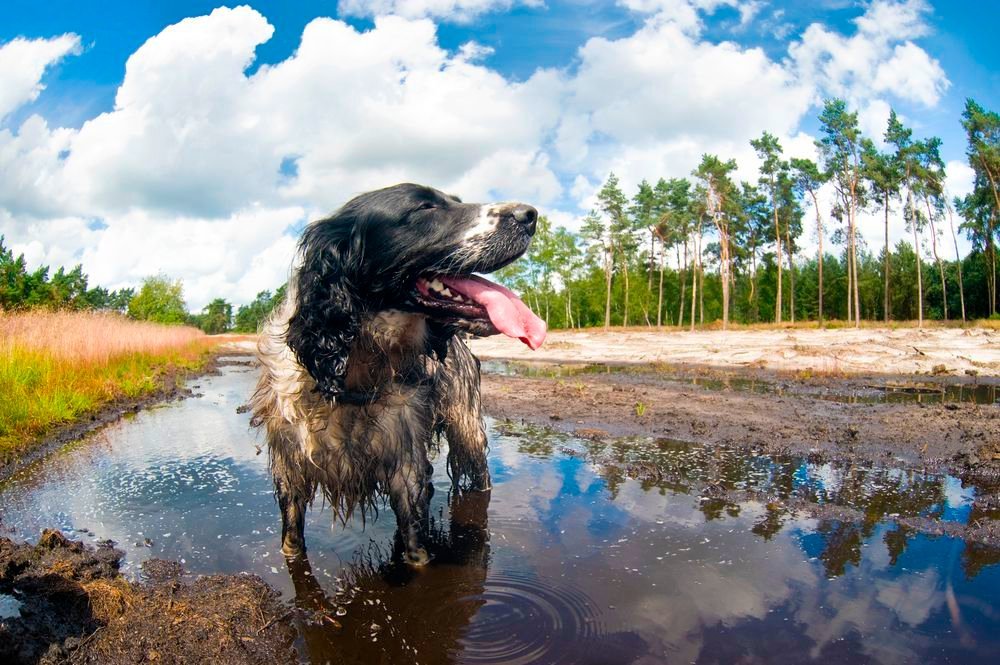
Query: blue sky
point(569, 91)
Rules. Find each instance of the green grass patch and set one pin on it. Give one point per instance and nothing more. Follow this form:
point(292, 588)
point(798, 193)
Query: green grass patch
point(41, 391)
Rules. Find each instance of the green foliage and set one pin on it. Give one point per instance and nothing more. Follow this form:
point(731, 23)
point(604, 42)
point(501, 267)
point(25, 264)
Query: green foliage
point(159, 300)
point(215, 318)
point(65, 289)
point(249, 317)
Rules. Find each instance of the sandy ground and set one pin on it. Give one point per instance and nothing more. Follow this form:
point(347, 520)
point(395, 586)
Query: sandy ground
point(843, 351)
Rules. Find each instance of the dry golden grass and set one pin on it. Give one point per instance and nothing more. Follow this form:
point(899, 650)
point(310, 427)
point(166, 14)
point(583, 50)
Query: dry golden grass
point(90, 336)
point(59, 366)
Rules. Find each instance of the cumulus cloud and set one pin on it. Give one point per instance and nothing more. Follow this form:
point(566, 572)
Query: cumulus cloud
point(457, 11)
point(22, 64)
point(872, 61)
point(650, 104)
point(204, 171)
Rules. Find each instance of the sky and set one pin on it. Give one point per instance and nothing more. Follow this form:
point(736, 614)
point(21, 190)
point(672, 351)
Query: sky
point(195, 139)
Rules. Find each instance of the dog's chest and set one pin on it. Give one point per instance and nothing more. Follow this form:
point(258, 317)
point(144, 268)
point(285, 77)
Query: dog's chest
point(390, 350)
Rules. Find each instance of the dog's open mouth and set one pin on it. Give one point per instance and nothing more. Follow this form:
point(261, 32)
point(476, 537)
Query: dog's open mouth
point(479, 306)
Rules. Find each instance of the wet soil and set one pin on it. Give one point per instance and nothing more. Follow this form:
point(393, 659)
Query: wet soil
point(862, 419)
point(73, 606)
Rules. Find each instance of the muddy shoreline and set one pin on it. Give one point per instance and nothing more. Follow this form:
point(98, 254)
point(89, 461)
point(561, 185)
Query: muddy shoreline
point(170, 387)
point(74, 606)
point(764, 411)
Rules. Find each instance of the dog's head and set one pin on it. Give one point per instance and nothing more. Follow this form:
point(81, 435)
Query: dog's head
point(409, 248)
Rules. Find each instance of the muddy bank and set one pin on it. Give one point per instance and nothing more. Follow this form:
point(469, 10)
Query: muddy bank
point(753, 411)
point(67, 603)
point(170, 386)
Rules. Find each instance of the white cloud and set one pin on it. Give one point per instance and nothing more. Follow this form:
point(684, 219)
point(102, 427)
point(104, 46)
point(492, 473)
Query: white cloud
point(686, 14)
point(892, 19)
point(872, 62)
point(22, 64)
point(911, 74)
point(960, 178)
point(650, 104)
point(185, 135)
point(457, 11)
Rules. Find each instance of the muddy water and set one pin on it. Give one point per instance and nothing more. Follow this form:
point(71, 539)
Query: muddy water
point(584, 552)
point(902, 393)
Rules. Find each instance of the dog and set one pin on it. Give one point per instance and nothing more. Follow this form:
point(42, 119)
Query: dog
point(365, 360)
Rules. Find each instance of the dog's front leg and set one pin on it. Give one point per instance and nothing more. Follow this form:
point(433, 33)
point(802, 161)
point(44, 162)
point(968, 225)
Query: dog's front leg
point(460, 409)
point(409, 496)
point(294, 492)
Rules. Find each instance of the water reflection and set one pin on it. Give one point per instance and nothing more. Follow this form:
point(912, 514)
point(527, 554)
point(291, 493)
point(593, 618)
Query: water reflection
point(384, 611)
point(586, 552)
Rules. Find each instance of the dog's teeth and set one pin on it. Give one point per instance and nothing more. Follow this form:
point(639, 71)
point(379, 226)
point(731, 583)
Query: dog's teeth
point(446, 293)
point(436, 285)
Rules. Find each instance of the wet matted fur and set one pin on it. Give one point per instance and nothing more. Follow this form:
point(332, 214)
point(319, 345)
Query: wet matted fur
point(359, 371)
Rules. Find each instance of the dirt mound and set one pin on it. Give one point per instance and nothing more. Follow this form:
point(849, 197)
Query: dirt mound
point(76, 607)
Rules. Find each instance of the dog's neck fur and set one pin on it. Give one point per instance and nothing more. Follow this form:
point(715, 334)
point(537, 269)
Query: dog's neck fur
point(391, 348)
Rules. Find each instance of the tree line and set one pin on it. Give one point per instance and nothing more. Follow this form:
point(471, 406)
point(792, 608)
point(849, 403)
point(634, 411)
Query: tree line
point(159, 298)
point(684, 251)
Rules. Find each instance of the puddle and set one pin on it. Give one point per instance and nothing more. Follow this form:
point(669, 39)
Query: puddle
point(584, 552)
point(916, 393)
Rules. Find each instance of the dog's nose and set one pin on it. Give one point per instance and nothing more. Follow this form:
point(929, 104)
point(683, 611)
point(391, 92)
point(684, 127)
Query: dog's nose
point(526, 216)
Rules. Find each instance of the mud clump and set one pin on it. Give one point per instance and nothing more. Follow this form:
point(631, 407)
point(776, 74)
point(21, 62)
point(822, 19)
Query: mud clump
point(75, 607)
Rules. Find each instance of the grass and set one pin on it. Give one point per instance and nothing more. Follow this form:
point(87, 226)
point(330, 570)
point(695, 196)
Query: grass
point(57, 367)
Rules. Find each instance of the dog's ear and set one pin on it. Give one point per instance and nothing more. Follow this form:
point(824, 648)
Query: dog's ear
point(327, 308)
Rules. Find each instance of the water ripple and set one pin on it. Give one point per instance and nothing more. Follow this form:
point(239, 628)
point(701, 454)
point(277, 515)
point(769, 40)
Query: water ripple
point(526, 620)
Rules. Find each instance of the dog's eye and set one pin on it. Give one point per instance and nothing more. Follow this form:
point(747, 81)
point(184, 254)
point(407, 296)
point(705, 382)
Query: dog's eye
point(427, 206)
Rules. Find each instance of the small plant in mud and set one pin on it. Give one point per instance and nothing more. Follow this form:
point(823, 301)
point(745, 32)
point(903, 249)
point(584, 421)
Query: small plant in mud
point(640, 409)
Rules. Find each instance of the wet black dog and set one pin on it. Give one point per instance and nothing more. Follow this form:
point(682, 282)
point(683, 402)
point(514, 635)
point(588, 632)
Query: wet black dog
point(365, 360)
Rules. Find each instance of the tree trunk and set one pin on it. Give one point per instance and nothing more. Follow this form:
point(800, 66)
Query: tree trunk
point(701, 286)
point(885, 263)
point(777, 241)
point(937, 259)
point(659, 297)
point(791, 274)
point(819, 234)
point(849, 256)
point(850, 278)
point(958, 261)
point(854, 257)
point(683, 275)
point(609, 268)
point(754, 307)
point(625, 272)
point(991, 246)
point(916, 249)
point(723, 270)
point(694, 286)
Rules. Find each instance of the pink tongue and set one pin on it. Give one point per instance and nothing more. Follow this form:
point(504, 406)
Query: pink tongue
point(506, 311)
